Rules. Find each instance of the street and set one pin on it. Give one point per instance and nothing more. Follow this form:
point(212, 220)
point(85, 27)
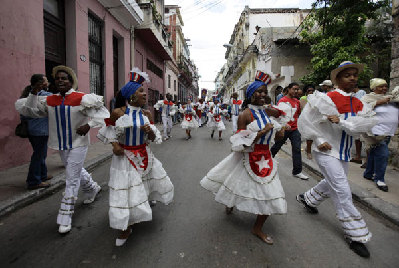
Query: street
point(194, 230)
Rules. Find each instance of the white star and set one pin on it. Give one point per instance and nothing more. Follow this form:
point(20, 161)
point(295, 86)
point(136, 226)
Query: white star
point(262, 163)
point(138, 161)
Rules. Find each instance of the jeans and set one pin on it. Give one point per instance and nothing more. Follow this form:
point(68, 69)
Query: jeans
point(295, 138)
point(37, 167)
point(377, 161)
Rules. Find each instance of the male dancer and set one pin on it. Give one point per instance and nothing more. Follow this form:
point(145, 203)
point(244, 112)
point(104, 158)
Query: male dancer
point(330, 120)
point(71, 114)
point(235, 110)
point(168, 109)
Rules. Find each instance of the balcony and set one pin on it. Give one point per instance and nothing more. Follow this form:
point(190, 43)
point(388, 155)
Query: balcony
point(127, 12)
point(154, 32)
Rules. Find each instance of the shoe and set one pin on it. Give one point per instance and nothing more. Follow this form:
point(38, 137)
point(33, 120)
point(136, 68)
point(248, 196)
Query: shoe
point(220, 138)
point(382, 186)
point(49, 177)
point(63, 229)
point(38, 186)
point(357, 161)
point(301, 176)
point(153, 203)
point(92, 196)
point(212, 135)
point(364, 165)
point(301, 199)
point(370, 179)
point(359, 248)
point(121, 241)
point(187, 138)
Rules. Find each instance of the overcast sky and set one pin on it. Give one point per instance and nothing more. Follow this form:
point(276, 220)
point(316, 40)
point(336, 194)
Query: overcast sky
point(209, 24)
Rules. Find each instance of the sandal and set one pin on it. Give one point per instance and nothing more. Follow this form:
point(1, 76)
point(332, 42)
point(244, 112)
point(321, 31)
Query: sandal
point(264, 237)
point(357, 161)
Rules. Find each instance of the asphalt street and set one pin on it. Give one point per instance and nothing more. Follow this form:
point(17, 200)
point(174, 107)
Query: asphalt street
point(194, 230)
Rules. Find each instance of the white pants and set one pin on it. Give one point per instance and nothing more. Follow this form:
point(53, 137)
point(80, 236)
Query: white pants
point(234, 119)
point(335, 185)
point(75, 175)
point(167, 125)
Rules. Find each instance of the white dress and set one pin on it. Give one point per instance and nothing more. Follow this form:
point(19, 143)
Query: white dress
point(247, 178)
point(137, 176)
point(189, 121)
point(215, 121)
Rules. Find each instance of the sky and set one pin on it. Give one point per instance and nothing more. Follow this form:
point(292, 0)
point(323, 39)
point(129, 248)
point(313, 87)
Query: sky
point(209, 24)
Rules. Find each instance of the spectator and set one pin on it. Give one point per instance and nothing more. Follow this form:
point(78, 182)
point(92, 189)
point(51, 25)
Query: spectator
point(282, 94)
point(309, 89)
point(326, 86)
point(359, 93)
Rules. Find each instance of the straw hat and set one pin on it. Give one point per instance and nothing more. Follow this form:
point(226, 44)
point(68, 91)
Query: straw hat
point(345, 65)
point(68, 71)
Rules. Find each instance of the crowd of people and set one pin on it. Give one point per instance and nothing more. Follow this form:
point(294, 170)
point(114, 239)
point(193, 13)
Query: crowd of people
point(328, 119)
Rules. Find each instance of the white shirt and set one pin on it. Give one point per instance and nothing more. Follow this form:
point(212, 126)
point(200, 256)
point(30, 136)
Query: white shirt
point(388, 119)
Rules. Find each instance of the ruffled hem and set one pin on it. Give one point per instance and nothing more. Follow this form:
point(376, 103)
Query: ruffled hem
point(193, 124)
point(243, 140)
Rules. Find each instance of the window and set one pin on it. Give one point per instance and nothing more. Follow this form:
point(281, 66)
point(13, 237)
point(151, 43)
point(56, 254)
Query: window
point(95, 55)
point(154, 68)
point(174, 85)
point(168, 80)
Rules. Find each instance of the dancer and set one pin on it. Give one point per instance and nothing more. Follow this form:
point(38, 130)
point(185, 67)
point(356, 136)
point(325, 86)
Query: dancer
point(136, 176)
point(189, 120)
point(215, 121)
point(330, 120)
point(200, 110)
point(71, 114)
point(235, 110)
point(247, 178)
point(168, 109)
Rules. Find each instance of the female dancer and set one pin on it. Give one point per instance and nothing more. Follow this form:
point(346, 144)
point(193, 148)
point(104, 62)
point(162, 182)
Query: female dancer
point(136, 176)
point(247, 179)
point(215, 119)
point(189, 120)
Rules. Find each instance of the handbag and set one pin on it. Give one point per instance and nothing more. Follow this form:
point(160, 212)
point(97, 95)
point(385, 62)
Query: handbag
point(22, 129)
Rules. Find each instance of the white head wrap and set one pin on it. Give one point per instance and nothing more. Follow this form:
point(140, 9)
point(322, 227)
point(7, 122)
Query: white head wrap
point(375, 82)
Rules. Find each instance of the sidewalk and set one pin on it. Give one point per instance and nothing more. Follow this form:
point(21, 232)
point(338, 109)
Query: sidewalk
point(384, 203)
point(13, 192)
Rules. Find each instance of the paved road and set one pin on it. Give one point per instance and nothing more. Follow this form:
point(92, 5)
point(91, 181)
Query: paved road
point(193, 231)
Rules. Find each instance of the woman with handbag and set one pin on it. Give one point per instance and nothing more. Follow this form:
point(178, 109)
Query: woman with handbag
point(37, 133)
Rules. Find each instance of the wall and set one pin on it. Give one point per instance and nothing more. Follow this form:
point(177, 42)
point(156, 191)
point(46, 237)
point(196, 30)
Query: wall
point(21, 55)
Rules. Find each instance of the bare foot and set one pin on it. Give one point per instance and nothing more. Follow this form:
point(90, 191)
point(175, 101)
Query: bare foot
point(309, 156)
point(264, 237)
point(229, 210)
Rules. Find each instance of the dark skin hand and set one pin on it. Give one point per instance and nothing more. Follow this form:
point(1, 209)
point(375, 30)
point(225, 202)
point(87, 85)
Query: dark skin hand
point(82, 130)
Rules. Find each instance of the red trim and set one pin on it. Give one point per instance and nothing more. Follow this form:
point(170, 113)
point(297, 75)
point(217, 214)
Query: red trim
point(109, 122)
point(343, 103)
point(138, 147)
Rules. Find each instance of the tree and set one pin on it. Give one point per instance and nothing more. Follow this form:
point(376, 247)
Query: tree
point(335, 31)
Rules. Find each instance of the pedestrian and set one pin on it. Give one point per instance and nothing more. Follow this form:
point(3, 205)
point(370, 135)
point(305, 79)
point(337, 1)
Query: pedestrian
point(235, 110)
point(38, 137)
point(282, 94)
point(248, 179)
point(330, 120)
point(189, 118)
point(215, 121)
point(326, 86)
point(387, 114)
point(359, 93)
point(168, 109)
point(136, 176)
point(292, 107)
point(71, 114)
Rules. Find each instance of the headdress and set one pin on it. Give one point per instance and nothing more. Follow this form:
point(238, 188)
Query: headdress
point(136, 79)
point(261, 79)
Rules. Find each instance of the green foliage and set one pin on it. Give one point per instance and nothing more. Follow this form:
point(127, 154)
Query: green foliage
point(336, 32)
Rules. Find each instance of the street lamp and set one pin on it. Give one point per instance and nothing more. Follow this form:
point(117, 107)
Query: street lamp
point(228, 45)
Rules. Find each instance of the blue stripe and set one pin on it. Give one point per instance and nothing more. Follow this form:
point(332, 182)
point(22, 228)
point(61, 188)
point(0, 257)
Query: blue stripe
point(134, 127)
point(262, 139)
point(63, 124)
point(346, 148)
point(69, 127)
point(127, 130)
point(236, 109)
point(141, 124)
point(350, 147)
point(257, 119)
point(58, 128)
point(341, 147)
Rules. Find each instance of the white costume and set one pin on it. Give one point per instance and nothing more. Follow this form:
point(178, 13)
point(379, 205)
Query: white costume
point(200, 112)
point(215, 121)
point(168, 109)
point(65, 115)
point(247, 178)
point(189, 120)
point(136, 177)
point(235, 110)
point(355, 117)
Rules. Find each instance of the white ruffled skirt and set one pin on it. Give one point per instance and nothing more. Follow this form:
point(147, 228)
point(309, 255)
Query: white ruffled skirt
point(193, 124)
point(212, 124)
point(131, 192)
point(234, 186)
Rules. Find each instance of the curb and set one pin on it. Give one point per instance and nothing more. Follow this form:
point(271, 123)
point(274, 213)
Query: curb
point(381, 207)
point(57, 183)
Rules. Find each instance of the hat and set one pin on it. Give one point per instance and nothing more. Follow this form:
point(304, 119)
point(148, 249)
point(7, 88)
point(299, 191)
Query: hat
point(69, 71)
point(345, 65)
point(375, 82)
point(261, 79)
point(326, 83)
point(136, 79)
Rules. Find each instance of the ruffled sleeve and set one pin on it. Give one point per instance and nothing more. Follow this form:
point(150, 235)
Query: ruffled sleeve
point(92, 106)
point(158, 136)
point(123, 122)
point(242, 140)
point(363, 122)
point(32, 106)
point(158, 105)
point(173, 110)
point(107, 134)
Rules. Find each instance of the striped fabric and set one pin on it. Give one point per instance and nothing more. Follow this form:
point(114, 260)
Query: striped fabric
point(262, 119)
point(134, 135)
point(346, 140)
